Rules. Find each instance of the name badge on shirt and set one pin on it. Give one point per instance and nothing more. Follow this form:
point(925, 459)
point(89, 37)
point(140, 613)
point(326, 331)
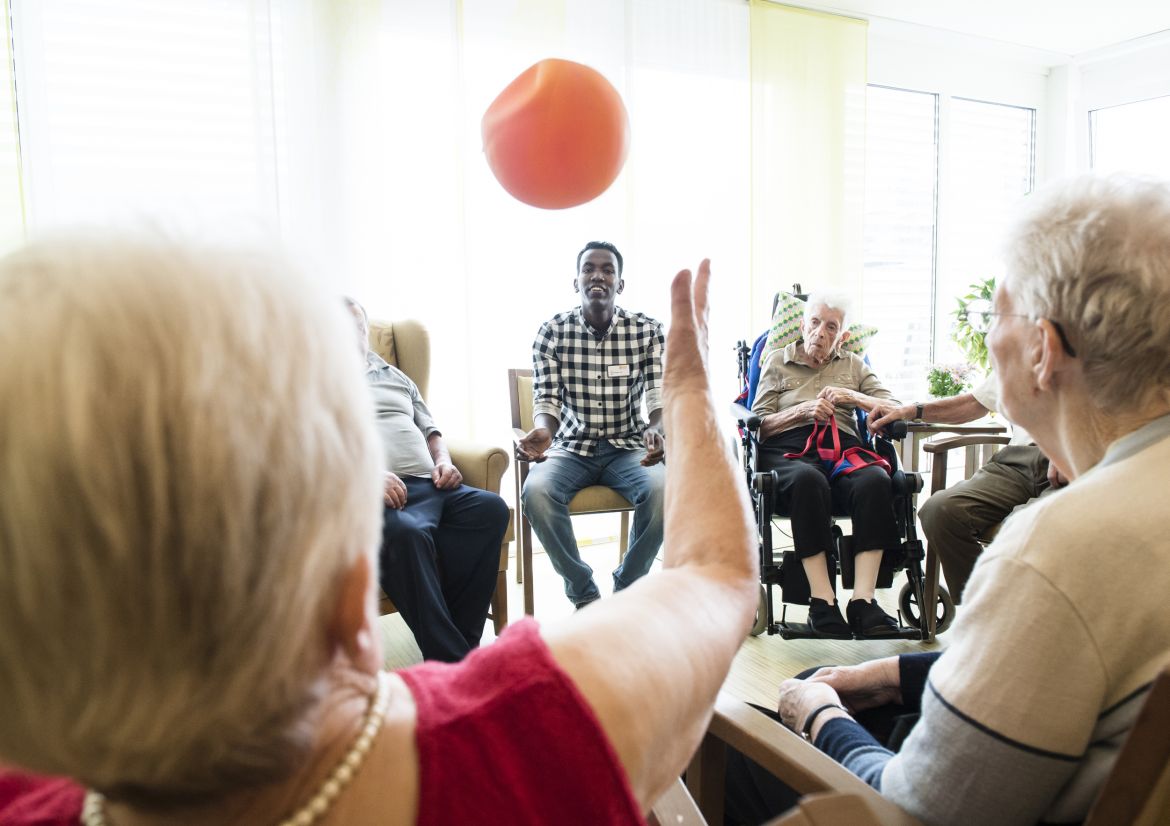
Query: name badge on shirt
point(617, 371)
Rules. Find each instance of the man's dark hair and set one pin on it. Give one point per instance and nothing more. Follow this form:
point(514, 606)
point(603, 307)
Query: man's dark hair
point(601, 245)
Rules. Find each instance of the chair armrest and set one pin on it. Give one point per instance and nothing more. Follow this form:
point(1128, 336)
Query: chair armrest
point(482, 465)
point(941, 449)
point(795, 762)
point(943, 445)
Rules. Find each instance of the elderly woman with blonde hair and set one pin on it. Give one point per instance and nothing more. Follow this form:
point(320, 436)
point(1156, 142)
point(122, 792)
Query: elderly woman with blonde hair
point(1064, 627)
point(190, 501)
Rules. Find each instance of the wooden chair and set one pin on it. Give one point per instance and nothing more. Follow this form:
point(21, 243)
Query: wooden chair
point(407, 346)
point(1137, 790)
point(976, 451)
point(593, 499)
point(831, 794)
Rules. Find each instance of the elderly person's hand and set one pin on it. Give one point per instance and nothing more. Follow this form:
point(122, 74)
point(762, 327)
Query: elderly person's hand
point(885, 413)
point(446, 476)
point(1056, 479)
point(393, 491)
point(839, 396)
point(815, 410)
point(869, 685)
point(800, 698)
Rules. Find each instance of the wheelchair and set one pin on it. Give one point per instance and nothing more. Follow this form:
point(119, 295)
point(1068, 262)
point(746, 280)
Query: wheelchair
point(787, 572)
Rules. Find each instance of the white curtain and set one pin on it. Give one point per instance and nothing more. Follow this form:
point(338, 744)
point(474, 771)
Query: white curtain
point(352, 127)
point(426, 230)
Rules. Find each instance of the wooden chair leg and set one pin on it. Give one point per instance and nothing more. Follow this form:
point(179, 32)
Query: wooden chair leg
point(624, 538)
point(520, 520)
point(500, 602)
point(529, 600)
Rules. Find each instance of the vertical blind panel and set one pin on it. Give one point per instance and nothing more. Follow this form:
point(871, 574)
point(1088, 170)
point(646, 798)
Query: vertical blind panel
point(156, 108)
point(11, 205)
point(1134, 137)
point(991, 167)
point(900, 189)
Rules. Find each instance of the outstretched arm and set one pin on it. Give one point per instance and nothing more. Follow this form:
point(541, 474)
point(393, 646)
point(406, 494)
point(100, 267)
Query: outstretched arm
point(953, 410)
point(650, 660)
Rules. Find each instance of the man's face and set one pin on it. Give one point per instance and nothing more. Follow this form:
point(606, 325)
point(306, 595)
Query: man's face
point(823, 329)
point(598, 281)
point(363, 329)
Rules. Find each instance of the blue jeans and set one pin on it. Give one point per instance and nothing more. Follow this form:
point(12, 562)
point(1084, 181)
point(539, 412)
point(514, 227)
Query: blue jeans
point(550, 486)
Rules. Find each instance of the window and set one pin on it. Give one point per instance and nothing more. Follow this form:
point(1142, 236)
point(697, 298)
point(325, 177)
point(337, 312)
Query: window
point(942, 178)
point(1133, 137)
point(991, 166)
point(901, 181)
point(139, 108)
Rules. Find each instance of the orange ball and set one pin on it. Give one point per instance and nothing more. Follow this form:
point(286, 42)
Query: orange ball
point(557, 136)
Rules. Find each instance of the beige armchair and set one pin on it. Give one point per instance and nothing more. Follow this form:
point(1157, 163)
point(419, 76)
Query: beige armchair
point(407, 346)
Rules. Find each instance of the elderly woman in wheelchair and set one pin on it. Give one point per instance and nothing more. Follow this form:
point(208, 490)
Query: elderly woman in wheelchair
point(807, 395)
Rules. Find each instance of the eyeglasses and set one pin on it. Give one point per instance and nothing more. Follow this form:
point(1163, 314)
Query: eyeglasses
point(978, 316)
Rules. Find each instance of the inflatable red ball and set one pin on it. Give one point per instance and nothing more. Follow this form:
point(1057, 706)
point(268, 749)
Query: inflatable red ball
point(557, 136)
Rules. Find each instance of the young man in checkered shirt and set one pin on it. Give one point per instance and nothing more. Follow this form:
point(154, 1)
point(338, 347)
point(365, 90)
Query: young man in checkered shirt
point(593, 366)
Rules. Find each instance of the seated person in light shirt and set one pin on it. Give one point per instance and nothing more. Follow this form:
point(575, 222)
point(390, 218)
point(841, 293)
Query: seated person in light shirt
point(1064, 629)
point(440, 538)
point(189, 563)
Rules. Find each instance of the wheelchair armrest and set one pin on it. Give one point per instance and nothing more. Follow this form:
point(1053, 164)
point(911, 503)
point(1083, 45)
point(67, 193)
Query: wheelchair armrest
point(895, 430)
point(905, 484)
point(745, 417)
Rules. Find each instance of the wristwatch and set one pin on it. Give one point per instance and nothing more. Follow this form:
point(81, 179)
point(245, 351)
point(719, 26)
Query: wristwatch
point(918, 410)
point(806, 729)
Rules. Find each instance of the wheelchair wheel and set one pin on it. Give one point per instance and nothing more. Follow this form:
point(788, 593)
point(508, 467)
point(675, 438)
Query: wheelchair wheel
point(944, 608)
point(761, 613)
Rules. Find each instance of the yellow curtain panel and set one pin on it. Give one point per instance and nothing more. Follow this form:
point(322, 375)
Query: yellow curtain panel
point(808, 75)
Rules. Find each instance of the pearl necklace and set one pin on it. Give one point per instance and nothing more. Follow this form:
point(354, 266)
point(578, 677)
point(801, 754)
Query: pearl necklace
point(93, 812)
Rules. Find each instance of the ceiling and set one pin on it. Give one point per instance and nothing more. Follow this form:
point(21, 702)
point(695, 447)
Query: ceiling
point(1070, 27)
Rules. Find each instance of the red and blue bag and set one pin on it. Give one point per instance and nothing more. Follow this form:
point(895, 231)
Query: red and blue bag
point(825, 439)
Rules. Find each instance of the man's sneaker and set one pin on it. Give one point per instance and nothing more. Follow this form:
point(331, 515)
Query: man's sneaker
point(867, 620)
point(583, 603)
point(825, 620)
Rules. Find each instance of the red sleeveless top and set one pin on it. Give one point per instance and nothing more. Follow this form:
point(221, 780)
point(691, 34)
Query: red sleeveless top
point(504, 737)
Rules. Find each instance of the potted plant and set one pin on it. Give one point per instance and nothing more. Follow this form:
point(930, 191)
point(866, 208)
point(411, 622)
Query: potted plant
point(945, 380)
point(971, 342)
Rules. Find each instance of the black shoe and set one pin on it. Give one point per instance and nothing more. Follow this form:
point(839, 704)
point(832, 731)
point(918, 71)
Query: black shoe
point(825, 620)
point(868, 621)
point(583, 603)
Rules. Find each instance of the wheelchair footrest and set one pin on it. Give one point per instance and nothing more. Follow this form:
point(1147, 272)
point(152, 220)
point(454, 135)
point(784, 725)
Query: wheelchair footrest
point(802, 631)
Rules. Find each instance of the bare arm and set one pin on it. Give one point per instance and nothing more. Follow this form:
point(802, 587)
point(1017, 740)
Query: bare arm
point(650, 660)
point(954, 410)
point(445, 475)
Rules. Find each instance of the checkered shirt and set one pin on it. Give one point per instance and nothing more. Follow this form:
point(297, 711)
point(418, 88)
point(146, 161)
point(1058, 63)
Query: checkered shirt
point(578, 377)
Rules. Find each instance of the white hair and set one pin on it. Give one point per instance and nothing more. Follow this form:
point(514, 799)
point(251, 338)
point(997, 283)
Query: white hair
point(188, 465)
point(832, 299)
point(1093, 254)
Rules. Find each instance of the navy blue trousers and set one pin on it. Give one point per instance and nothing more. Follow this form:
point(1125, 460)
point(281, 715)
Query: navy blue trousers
point(439, 559)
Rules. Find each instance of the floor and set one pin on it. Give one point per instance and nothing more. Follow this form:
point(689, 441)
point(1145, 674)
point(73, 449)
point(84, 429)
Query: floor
point(759, 667)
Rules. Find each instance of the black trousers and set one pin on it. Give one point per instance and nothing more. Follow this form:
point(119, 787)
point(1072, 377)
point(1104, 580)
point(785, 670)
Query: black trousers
point(753, 795)
point(439, 559)
point(808, 499)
